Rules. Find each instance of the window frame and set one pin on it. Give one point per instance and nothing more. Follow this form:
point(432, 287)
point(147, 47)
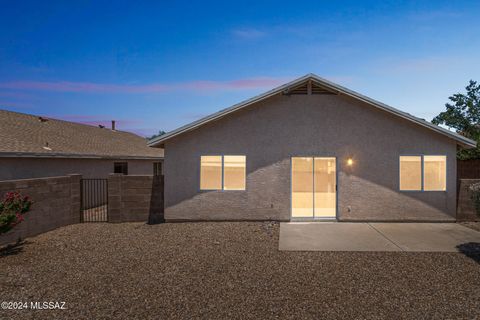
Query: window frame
point(422, 156)
point(123, 164)
point(223, 173)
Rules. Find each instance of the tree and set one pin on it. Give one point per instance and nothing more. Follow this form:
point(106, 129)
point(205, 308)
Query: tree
point(463, 114)
point(160, 132)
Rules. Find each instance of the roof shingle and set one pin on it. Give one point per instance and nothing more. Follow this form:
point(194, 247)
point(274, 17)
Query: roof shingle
point(25, 135)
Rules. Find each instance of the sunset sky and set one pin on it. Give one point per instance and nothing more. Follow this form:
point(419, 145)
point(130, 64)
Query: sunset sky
point(161, 64)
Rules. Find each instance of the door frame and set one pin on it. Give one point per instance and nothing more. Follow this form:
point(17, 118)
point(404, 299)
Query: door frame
point(335, 218)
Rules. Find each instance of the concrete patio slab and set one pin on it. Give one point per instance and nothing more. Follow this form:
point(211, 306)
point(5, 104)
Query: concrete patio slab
point(431, 237)
point(332, 236)
point(343, 236)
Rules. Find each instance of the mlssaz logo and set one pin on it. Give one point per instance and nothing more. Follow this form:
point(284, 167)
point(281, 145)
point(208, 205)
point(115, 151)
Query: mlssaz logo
point(47, 305)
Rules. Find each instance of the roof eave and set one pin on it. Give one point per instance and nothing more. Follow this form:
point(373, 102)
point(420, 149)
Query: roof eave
point(59, 155)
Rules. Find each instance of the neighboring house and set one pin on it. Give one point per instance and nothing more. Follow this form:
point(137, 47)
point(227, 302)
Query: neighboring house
point(311, 149)
point(33, 147)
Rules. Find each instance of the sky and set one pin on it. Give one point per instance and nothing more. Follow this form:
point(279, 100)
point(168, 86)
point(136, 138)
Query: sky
point(158, 65)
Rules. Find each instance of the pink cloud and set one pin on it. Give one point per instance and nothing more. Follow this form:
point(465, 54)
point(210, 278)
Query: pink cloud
point(91, 87)
point(95, 120)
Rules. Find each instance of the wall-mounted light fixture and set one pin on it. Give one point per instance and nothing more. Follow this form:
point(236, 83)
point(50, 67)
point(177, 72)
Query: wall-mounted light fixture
point(350, 162)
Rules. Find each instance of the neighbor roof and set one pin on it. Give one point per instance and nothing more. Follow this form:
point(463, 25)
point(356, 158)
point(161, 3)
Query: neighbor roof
point(24, 135)
point(333, 87)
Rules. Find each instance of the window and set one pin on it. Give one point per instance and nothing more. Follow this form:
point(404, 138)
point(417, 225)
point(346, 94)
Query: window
point(435, 173)
point(120, 167)
point(410, 173)
point(222, 172)
point(427, 173)
point(157, 168)
point(234, 172)
point(211, 173)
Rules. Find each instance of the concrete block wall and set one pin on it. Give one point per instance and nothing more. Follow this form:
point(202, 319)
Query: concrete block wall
point(56, 204)
point(465, 206)
point(135, 198)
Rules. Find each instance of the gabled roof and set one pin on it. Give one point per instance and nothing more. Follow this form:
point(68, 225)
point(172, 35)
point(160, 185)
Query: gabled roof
point(24, 135)
point(327, 85)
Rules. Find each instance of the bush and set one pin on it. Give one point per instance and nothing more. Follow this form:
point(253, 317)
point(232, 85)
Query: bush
point(12, 209)
point(475, 190)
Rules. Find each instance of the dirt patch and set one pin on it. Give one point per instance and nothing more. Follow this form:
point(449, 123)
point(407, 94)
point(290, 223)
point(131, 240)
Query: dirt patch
point(227, 271)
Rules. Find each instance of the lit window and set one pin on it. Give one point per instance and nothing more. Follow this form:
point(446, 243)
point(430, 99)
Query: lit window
point(435, 173)
point(222, 172)
point(211, 173)
point(410, 173)
point(427, 173)
point(234, 172)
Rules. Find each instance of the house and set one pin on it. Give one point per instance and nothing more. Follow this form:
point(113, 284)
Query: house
point(310, 149)
point(35, 147)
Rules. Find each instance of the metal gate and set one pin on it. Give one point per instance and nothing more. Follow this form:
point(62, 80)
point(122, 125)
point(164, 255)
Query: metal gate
point(94, 200)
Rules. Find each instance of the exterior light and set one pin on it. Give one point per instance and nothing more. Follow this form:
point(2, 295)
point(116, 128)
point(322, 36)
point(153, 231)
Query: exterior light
point(350, 162)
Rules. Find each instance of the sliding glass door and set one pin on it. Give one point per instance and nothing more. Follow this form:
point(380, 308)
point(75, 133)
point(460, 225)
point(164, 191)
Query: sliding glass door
point(313, 187)
point(325, 181)
point(302, 187)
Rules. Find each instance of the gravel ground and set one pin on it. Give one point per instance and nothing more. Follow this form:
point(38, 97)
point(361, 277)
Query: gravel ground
point(228, 271)
point(471, 225)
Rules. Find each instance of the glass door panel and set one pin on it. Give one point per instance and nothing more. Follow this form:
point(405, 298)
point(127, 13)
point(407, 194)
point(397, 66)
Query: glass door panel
point(325, 187)
point(302, 187)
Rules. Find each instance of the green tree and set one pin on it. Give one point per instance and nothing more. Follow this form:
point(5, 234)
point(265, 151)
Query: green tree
point(160, 132)
point(463, 114)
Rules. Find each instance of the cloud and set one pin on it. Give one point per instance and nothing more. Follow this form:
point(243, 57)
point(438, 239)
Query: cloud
point(427, 16)
point(96, 120)
point(89, 87)
point(92, 87)
point(249, 33)
point(241, 84)
point(419, 64)
point(129, 125)
point(422, 65)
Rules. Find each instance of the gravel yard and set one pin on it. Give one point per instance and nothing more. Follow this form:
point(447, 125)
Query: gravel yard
point(227, 271)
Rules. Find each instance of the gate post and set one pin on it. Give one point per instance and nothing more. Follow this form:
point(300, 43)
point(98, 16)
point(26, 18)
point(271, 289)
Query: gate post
point(114, 197)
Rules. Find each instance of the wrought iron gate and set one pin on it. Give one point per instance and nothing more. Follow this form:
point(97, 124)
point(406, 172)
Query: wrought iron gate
point(94, 199)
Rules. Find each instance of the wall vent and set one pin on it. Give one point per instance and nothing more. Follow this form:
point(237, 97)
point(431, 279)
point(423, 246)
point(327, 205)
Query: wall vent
point(316, 89)
point(302, 89)
point(309, 88)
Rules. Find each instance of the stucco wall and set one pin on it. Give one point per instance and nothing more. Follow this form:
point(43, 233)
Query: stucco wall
point(272, 131)
point(27, 168)
point(56, 203)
